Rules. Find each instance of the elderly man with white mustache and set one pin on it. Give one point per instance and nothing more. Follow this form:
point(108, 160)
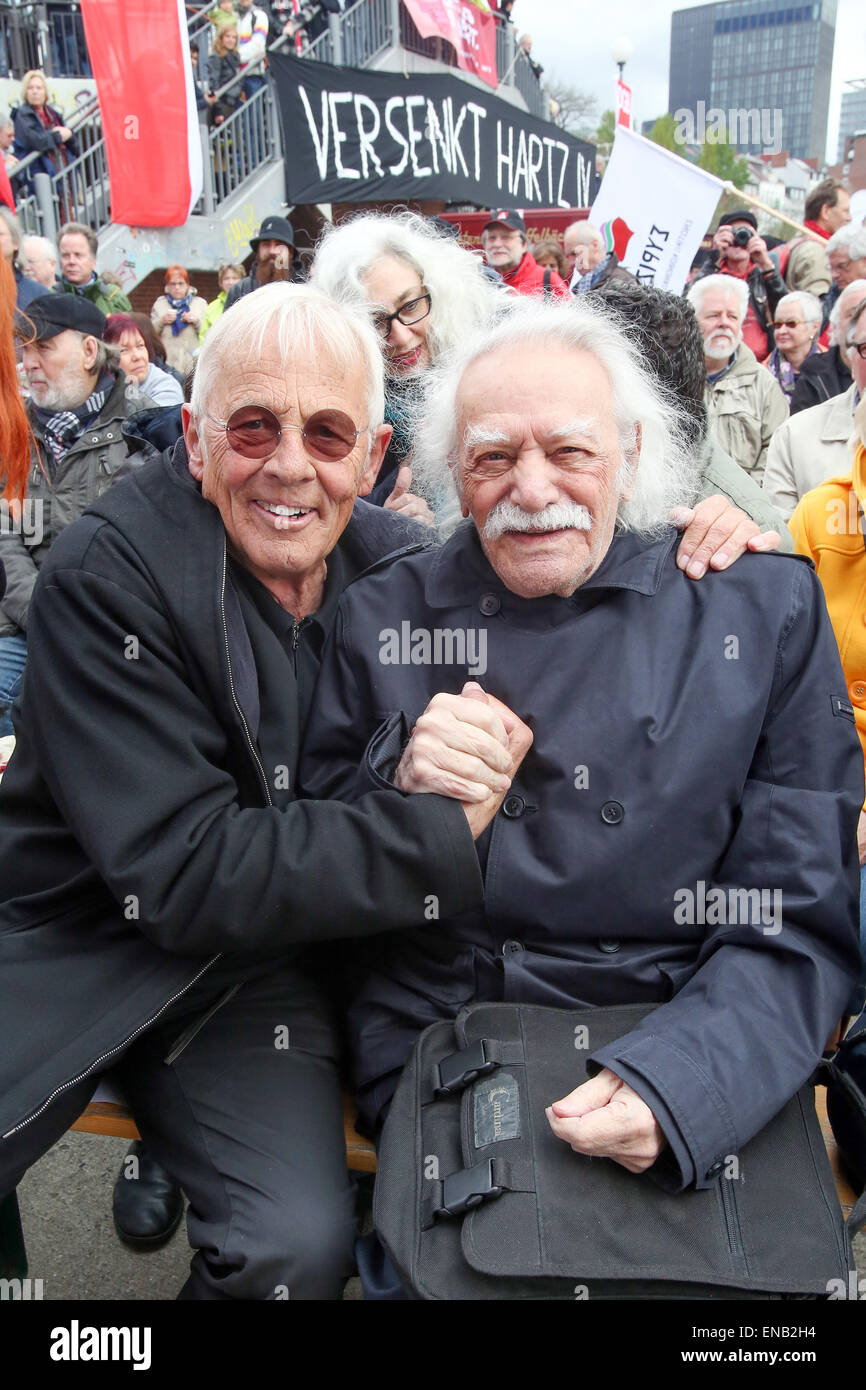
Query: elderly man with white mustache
point(668, 757)
point(744, 401)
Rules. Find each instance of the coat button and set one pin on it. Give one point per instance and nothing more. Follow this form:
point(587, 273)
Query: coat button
point(489, 605)
point(94, 439)
point(714, 1169)
point(858, 690)
point(513, 807)
point(512, 948)
point(612, 812)
point(609, 946)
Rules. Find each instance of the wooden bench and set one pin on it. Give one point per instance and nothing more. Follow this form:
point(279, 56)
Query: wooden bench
point(112, 1117)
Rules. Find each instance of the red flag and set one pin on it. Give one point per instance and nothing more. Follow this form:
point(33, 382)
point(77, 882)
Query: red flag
point(139, 52)
point(6, 195)
point(469, 29)
point(623, 104)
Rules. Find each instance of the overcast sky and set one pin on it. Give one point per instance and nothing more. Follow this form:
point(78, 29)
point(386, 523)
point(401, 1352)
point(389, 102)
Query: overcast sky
point(572, 39)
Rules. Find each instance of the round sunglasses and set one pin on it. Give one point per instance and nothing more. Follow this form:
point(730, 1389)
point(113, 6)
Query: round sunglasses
point(254, 432)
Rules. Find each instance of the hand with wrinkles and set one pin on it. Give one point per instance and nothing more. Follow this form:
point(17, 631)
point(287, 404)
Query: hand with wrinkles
point(715, 534)
point(605, 1118)
point(469, 747)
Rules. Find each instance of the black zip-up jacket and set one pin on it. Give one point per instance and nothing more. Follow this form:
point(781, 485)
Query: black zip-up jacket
point(821, 376)
point(138, 839)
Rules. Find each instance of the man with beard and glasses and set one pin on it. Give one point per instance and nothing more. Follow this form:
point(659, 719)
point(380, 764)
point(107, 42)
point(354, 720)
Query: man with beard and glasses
point(274, 248)
point(77, 408)
point(744, 401)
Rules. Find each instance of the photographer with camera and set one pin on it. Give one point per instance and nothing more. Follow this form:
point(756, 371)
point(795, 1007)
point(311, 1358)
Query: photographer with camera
point(739, 251)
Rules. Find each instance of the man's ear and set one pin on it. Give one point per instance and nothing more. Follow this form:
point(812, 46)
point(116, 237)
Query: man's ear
point(454, 468)
point(89, 352)
point(629, 490)
point(381, 440)
point(192, 439)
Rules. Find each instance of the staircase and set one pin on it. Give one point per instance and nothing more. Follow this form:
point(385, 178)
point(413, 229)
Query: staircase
point(243, 157)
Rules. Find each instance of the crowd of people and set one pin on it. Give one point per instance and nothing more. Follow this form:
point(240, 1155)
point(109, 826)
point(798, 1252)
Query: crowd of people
point(236, 503)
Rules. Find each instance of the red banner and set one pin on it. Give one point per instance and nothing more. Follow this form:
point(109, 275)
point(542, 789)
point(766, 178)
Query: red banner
point(471, 30)
point(139, 52)
point(623, 104)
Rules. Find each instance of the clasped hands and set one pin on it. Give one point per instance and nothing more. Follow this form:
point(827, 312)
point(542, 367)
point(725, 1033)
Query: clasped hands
point(470, 747)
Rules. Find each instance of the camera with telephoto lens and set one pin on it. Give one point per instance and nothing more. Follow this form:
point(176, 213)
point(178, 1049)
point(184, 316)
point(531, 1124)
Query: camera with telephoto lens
point(742, 236)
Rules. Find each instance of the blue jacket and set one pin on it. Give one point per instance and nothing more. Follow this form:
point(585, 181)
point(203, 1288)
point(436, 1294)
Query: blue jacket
point(690, 741)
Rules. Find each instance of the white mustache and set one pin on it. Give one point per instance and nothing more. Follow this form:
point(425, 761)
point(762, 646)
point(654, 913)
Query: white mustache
point(559, 516)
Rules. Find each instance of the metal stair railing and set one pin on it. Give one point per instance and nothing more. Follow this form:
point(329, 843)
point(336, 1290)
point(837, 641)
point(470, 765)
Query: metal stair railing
point(235, 149)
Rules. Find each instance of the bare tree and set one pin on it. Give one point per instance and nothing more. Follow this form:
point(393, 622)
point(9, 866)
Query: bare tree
point(575, 110)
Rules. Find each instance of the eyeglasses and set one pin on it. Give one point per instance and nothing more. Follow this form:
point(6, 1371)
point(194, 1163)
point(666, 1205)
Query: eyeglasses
point(858, 348)
point(407, 314)
point(254, 432)
point(788, 323)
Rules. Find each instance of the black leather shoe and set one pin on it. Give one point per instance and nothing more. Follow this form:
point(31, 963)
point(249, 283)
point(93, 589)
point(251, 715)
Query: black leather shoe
point(148, 1203)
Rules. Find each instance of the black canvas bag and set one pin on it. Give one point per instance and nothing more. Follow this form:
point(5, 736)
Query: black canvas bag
point(476, 1198)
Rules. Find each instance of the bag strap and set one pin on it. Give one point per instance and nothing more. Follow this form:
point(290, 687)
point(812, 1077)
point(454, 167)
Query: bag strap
point(461, 1191)
point(457, 1071)
point(548, 279)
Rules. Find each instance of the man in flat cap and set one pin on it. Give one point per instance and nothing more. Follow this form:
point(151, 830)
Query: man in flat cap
point(76, 410)
point(274, 250)
point(740, 252)
point(506, 247)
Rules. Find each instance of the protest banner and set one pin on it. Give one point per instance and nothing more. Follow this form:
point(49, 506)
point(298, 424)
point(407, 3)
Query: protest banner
point(139, 52)
point(360, 136)
point(652, 209)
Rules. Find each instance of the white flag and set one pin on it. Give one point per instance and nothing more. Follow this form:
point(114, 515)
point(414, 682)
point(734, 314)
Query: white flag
point(652, 209)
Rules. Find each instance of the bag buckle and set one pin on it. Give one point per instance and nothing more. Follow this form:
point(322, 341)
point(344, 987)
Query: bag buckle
point(456, 1071)
point(467, 1189)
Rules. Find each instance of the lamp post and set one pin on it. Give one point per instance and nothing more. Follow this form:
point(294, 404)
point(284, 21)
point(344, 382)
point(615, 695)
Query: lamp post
point(621, 50)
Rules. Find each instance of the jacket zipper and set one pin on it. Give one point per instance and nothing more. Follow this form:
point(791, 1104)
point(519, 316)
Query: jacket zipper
point(732, 1224)
point(179, 993)
point(119, 1048)
point(252, 747)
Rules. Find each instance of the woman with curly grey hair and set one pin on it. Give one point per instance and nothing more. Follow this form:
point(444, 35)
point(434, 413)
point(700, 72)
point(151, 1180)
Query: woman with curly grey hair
point(426, 295)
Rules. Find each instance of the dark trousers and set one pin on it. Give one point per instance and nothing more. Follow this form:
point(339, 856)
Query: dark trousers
point(247, 1116)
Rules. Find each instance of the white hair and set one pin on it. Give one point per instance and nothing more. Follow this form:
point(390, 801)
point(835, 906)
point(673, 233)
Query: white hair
point(303, 321)
point(594, 235)
point(850, 238)
point(461, 295)
point(642, 408)
point(41, 243)
point(809, 303)
point(855, 291)
point(730, 283)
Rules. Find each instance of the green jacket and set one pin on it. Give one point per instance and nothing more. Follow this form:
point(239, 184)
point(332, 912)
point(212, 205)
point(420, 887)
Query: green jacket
point(720, 474)
point(109, 298)
point(214, 311)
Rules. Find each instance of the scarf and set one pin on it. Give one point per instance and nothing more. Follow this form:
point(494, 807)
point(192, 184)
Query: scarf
point(50, 120)
point(589, 281)
point(62, 428)
point(183, 307)
point(817, 228)
point(785, 374)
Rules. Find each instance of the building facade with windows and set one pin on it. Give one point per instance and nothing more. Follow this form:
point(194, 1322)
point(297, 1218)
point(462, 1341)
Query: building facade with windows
point(852, 114)
point(752, 55)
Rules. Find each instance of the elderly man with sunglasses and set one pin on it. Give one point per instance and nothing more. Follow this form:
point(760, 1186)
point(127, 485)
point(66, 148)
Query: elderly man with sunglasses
point(166, 894)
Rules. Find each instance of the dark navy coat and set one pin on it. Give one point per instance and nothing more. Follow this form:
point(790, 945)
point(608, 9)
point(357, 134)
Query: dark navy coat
point(688, 737)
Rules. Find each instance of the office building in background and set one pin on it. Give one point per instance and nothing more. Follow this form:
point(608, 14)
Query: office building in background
point(752, 55)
